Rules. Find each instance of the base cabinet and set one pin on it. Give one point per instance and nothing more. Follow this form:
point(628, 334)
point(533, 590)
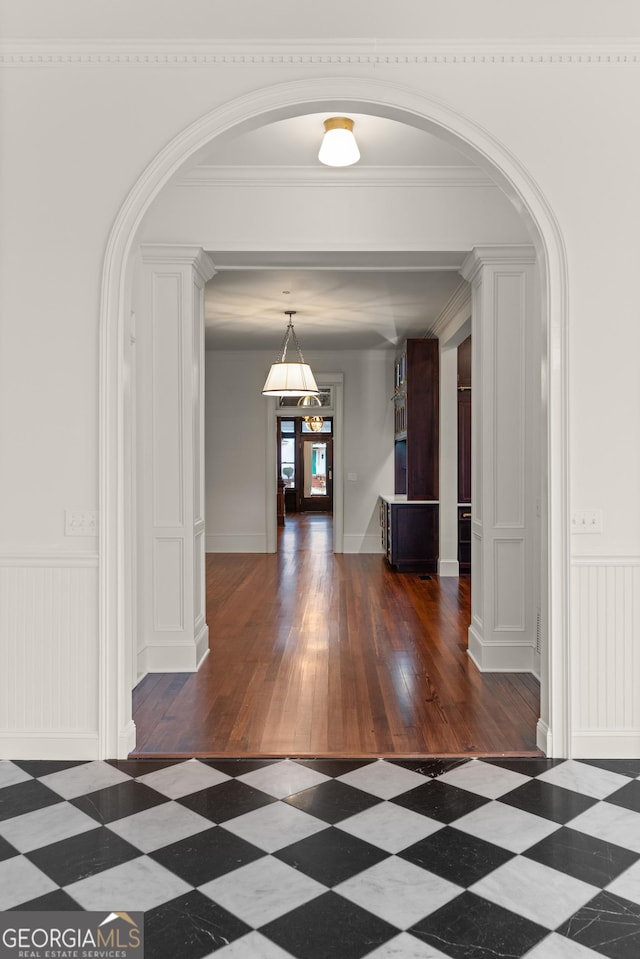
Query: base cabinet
point(410, 536)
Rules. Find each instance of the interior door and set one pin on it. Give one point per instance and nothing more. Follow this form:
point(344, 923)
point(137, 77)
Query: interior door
point(316, 461)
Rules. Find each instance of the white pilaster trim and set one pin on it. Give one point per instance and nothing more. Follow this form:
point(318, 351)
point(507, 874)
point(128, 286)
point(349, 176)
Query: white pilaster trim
point(517, 254)
point(170, 254)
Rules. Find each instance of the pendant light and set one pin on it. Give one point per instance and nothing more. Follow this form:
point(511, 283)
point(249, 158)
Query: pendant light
point(315, 422)
point(338, 147)
point(290, 377)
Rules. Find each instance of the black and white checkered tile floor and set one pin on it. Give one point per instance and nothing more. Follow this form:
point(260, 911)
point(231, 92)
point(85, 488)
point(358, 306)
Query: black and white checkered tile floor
point(318, 859)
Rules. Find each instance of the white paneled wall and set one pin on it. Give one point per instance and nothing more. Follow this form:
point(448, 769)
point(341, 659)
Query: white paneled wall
point(605, 651)
point(48, 656)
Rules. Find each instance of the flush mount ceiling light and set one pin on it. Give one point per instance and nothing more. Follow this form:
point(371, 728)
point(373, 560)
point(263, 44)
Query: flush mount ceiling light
point(290, 377)
point(338, 147)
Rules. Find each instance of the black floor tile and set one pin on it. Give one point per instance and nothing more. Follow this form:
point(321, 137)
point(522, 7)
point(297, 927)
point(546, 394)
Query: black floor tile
point(607, 924)
point(431, 768)
point(43, 767)
point(550, 802)
point(207, 855)
point(528, 766)
point(6, 850)
point(583, 857)
point(470, 927)
point(56, 901)
point(335, 767)
point(238, 767)
point(117, 802)
point(82, 856)
point(226, 800)
point(628, 796)
point(329, 927)
point(189, 927)
point(624, 767)
point(331, 856)
point(440, 801)
point(141, 767)
point(332, 801)
point(25, 797)
point(456, 856)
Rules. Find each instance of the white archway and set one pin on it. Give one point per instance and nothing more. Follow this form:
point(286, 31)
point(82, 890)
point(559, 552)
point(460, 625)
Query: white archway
point(116, 730)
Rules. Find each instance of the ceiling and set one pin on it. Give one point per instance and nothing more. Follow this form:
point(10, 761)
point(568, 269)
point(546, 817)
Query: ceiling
point(343, 300)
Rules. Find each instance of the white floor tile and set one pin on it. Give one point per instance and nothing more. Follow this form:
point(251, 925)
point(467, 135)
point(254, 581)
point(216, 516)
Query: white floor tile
point(10, 774)
point(283, 778)
point(406, 946)
point(275, 826)
point(79, 780)
point(537, 892)
point(262, 891)
point(160, 826)
point(183, 778)
point(513, 829)
point(557, 947)
point(21, 881)
point(46, 826)
point(383, 779)
point(253, 946)
point(627, 884)
point(484, 779)
point(583, 778)
point(611, 823)
point(390, 827)
point(398, 891)
point(134, 886)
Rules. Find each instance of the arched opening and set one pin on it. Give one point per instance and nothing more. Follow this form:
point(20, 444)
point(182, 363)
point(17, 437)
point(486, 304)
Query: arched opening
point(116, 727)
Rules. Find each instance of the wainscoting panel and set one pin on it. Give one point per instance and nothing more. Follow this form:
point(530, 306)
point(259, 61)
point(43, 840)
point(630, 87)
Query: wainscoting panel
point(605, 656)
point(48, 656)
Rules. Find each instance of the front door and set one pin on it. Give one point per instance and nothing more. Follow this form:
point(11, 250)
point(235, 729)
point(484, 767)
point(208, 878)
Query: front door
point(316, 462)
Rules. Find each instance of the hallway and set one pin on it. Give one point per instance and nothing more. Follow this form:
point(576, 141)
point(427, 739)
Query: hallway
point(316, 654)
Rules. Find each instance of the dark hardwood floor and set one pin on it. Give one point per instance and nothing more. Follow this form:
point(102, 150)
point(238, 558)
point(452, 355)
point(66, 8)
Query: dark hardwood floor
point(316, 654)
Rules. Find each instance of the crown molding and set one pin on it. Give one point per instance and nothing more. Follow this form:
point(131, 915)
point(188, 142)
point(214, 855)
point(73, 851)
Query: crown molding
point(296, 52)
point(309, 176)
point(460, 298)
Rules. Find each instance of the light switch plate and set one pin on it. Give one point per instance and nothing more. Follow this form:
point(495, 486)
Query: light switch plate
point(586, 521)
point(80, 522)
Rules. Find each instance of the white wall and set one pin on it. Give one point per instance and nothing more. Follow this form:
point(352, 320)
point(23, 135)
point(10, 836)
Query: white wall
point(82, 120)
point(236, 425)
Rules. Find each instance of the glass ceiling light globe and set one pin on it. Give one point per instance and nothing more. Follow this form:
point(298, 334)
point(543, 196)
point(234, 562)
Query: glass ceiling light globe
point(338, 147)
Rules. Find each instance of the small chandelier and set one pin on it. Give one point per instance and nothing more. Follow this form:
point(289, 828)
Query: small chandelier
point(338, 147)
point(315, 423)
point(290, 377)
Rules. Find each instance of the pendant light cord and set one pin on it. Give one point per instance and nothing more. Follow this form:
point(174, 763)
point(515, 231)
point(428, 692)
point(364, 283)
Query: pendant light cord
point(290, 335)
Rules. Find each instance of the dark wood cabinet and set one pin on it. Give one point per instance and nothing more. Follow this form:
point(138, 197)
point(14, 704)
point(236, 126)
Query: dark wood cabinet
point(464, 456)
point(417, 419)
point(410, 518)
point(410, 535)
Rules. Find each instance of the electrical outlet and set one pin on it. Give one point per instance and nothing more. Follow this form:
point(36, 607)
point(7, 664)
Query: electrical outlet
point(586, 521)
point(80, 522)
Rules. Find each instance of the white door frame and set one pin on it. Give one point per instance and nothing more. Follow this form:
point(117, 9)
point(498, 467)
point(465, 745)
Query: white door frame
point(318, 94)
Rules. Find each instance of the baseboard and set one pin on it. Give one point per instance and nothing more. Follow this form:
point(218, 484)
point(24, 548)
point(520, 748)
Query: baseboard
point(362, 543)
point(126, 741)
point(606, 744)
point(49, 744)
point(174, 657)
point(448, 567)
point(543, 738)
point(236, 543)
point(499, 657)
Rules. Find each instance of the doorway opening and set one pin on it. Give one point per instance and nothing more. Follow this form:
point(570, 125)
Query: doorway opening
point(117, 730)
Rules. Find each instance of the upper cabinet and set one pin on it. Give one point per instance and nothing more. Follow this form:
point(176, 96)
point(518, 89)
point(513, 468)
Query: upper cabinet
point(417, 415)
